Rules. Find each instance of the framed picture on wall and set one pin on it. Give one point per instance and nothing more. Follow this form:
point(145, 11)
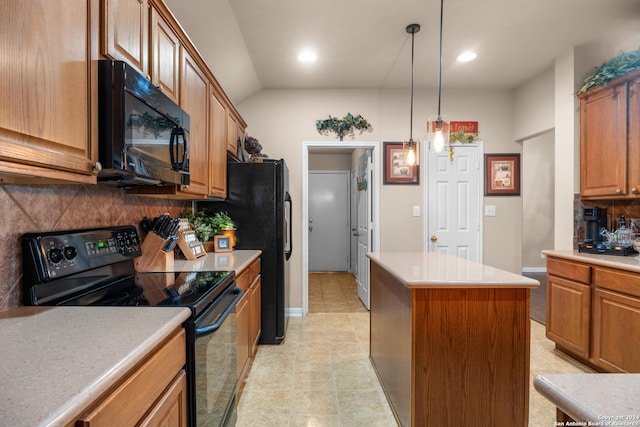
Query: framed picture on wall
point(502, 174)
point(396, 171)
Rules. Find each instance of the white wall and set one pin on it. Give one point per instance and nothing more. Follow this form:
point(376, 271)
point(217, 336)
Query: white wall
point(534, 106)
point(282, 119)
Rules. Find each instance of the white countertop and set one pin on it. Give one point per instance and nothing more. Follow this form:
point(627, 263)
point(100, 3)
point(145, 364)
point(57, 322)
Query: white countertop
point(55, 361)
point(219, 261)
point(435, 270)
point(603, 399)
point(630, 262)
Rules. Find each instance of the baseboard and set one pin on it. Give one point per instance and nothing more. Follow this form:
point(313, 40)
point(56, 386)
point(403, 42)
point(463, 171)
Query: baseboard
point(294, 312)
point(534, 269)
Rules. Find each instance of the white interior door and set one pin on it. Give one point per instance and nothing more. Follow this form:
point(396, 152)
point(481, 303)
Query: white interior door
point(329, 221)
point(353, 220)
point(455, 203)
point(364, 226)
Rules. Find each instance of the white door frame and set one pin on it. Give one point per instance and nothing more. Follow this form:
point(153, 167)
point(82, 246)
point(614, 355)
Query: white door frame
point(374, 146)
point(425, 178)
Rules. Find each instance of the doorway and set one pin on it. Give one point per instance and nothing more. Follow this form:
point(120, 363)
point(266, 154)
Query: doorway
point(454, 202)
point(374, 207)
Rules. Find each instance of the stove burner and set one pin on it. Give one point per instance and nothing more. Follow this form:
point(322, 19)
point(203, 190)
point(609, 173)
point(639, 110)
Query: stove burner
point(113, 298)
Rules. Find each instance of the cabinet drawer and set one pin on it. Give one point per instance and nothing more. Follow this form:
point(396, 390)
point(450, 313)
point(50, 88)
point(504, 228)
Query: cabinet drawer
point(618, 280)
point(129, 402)
point(254, 270)
point(569, 270)
point(242, 280)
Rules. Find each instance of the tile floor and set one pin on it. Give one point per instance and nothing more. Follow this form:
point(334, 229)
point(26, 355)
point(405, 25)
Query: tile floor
point(321, 375)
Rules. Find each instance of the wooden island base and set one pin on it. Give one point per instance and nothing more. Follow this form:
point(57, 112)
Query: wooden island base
point(451, 356)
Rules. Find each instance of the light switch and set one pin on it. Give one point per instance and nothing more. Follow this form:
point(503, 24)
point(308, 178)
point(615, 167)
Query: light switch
point(416, 211)
point(489, 210)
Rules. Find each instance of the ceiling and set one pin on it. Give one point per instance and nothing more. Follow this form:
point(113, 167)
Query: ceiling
point(251, 45)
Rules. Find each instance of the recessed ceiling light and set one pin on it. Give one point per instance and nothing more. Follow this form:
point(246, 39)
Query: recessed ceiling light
point(467, 56)
point(307, 56)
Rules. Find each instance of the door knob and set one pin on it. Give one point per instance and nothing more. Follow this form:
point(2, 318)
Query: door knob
point(434, 239)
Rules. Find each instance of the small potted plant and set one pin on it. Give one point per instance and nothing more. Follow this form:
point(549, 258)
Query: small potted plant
point(200, 223)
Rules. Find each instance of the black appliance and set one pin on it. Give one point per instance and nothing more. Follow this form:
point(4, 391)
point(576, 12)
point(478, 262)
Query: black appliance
point(142, 134)
point(95, 267)
point(259, 202)
point(594, 219)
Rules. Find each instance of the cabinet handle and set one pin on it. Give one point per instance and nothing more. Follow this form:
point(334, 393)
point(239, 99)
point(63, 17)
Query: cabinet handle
point(97, 167)
point(634, 190)
point(618, 191)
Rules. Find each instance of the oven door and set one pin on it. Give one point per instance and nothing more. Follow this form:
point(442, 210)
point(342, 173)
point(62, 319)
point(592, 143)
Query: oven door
point(213, 363)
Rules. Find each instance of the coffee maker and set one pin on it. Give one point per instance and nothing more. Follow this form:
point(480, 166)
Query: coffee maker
point(594, 220)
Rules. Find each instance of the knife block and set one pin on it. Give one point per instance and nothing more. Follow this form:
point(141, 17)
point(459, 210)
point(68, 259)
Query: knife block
point(153, 258)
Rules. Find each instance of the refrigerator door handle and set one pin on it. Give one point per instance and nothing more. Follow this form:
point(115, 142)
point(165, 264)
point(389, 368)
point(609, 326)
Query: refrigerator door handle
point(289, 241)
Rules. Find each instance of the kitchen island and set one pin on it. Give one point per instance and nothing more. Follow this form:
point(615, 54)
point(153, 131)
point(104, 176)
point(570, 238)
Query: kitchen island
point(450, 339)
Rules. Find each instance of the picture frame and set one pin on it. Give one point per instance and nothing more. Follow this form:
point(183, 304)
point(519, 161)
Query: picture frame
point(395, 169)
point(502, 174)
point(222, 243)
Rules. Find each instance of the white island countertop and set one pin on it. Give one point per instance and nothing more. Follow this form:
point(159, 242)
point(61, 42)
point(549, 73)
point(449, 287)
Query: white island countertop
point(435, 270)
point(55, 361)
point(602, 399)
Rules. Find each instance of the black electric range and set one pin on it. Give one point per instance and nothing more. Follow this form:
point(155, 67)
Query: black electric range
point(95, 267)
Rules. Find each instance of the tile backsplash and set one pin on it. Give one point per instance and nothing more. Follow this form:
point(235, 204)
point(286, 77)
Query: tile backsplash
point(35, 208)
point(615, 209)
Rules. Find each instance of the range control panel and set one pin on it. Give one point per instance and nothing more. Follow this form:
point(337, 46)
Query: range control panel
point(58, 254)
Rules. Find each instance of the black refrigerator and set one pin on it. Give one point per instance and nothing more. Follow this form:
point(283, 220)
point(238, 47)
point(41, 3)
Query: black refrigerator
point(259, 203)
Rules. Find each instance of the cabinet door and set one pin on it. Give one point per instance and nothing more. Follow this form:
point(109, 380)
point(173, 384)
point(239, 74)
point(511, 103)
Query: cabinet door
point(171, 409)
point(165, 56)
point(634, 136)
point(255, 309)
point(568, 314)
point(232, 135)
point(616, 331)
point(46, 81)
point(218, 145)
point(242, 325)
point(194, 94)
point(125, 32)
point(603, 143)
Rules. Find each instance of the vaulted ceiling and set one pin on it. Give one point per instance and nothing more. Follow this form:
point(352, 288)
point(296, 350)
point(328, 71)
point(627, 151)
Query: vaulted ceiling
point(252, 45)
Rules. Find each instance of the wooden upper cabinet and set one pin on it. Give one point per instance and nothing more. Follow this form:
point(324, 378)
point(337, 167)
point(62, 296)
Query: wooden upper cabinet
point(603, 142)
point(218, 145)
point(125, 32)
point(232, 135)
point(47, 112)
point(194, 99)
point(165, 56)
point(634, 135)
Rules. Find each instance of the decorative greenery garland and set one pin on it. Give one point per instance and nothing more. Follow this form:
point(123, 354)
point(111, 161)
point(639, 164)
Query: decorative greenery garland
point(344, 126)
point(616, 67)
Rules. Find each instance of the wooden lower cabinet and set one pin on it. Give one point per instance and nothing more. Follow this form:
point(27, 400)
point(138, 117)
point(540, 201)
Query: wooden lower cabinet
point(248, 320)
point(597, 322)
point(153, 394)
point(616, 331)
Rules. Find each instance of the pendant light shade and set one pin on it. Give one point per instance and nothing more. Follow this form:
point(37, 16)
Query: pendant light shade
point(438, 126)
point(410, 147)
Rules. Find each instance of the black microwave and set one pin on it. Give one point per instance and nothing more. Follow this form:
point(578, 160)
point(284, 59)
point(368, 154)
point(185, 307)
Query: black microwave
point(142, 134)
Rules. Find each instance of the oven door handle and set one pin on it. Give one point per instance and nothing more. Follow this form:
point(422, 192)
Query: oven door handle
point(203, 331)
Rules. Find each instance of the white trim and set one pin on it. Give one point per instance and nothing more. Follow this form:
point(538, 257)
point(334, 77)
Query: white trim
point(304, 231)
point(293, 312)
point(534, 269)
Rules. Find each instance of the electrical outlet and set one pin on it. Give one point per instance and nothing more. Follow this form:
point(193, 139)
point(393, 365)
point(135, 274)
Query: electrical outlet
point(416, 211)
point(542, 256)
point(489, 210)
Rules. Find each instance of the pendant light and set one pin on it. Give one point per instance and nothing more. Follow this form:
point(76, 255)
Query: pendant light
point(410, 147)
point(438, 126)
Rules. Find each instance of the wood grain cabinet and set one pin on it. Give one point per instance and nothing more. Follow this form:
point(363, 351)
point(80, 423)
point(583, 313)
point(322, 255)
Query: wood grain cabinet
point(248, 320)
point(593, 314)
point(152, 394)
point(610, 140)
point(48, 117)
point(217, 146)
point(568, 285)
point(125, 32)
point(165, 56)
